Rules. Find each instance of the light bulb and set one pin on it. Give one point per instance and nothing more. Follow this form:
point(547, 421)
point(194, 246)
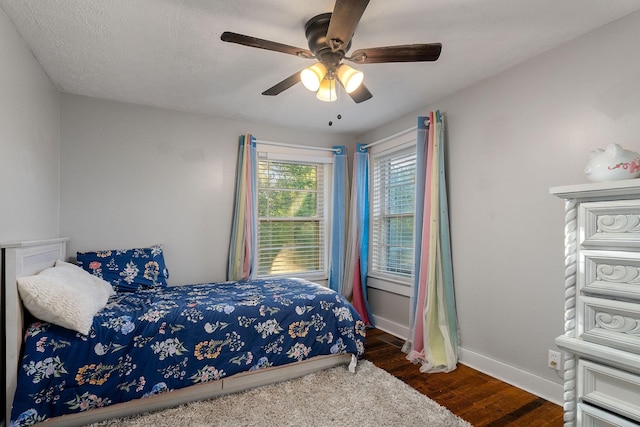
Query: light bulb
point(312, 77)
point(327, 91)
point(350, 78)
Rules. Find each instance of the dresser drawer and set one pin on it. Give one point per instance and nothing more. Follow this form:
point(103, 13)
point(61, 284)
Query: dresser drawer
point(608, 388)
point(589, 416)
point(610, 323)
point(610, 225)
point(611, 274)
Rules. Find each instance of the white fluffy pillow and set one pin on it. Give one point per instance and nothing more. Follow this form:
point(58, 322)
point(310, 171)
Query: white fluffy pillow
point(76, 271)
point(65, 295)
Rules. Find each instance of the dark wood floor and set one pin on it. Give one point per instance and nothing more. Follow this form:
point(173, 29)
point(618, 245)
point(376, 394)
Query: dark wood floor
point(478, 398)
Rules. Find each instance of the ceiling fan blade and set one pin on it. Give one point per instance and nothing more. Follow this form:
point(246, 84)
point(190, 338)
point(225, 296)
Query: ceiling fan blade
point(401, 53)
point(230, 37)
point(361, 94)
point(283, 85)
point(344, 20)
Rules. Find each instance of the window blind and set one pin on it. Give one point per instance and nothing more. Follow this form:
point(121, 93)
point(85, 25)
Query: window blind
point(291, 219)
point(392, 213)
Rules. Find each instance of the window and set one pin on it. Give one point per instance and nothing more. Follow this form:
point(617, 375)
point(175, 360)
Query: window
point(392, 213)
point(292, 216)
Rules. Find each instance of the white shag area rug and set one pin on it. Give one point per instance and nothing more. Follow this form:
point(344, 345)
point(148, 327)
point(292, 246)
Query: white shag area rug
point(333, 397)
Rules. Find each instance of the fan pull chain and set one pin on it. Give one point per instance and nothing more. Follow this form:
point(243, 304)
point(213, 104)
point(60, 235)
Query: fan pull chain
point(339, 116)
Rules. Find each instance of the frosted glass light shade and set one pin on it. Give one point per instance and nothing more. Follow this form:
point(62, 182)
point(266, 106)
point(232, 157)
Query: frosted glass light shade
point(327, 91)
point(350, 78)
point(312, 77)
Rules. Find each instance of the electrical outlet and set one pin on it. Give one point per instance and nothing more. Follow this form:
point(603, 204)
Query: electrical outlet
point(554, 361)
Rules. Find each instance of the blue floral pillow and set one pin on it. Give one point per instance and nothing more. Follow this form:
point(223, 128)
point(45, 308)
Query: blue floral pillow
point(127, 269)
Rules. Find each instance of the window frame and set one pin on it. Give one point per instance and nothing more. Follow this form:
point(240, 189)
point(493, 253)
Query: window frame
point(303, 156)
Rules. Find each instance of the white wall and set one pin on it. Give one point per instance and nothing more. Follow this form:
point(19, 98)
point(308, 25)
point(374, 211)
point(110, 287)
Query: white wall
point(135, 176)
point(510, 138)
point(29, 142)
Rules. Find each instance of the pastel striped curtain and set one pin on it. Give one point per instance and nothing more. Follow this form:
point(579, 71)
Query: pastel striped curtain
point(356, 263)
point(433, 339)
point(338, 220)
point(244, 233)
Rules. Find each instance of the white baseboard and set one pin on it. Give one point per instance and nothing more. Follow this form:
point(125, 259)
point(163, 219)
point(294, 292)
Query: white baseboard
point(534, 384)
point(393, 328)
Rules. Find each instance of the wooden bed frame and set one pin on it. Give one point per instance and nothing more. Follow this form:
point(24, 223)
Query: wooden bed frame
point(28, 258)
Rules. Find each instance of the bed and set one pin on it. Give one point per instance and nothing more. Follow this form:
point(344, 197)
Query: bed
point(153, 348)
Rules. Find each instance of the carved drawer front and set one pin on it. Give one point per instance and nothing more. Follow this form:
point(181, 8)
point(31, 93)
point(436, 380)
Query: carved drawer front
point(611, 225)
point(610, 323)
point(610, 274)
point(610, 389)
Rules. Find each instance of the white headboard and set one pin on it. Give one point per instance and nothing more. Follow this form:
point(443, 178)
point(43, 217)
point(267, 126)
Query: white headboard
point(20, 259)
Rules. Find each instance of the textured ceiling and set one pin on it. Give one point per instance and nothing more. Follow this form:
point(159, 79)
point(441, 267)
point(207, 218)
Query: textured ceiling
point(168, 53)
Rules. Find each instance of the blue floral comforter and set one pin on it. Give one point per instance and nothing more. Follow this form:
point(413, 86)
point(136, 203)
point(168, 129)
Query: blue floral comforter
point(152, 341)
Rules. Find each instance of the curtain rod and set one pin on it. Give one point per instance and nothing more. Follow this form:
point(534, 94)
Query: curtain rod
point(304, 147)
point(395, 135)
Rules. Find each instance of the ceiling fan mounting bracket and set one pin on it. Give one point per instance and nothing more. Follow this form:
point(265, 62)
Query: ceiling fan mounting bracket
point(335, 44)
point(358, 58)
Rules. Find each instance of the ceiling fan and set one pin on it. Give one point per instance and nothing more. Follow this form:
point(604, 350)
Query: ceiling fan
point(329, 38)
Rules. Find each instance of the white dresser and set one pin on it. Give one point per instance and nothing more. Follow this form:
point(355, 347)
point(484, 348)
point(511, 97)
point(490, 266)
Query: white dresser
point(601, 342)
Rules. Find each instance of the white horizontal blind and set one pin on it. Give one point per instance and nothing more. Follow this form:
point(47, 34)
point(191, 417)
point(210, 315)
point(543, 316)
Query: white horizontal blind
point(392, 213)
point(291, 219)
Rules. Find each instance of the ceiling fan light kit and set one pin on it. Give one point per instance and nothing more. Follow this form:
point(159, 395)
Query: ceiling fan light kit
point(329, 37)
point(317, 79)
